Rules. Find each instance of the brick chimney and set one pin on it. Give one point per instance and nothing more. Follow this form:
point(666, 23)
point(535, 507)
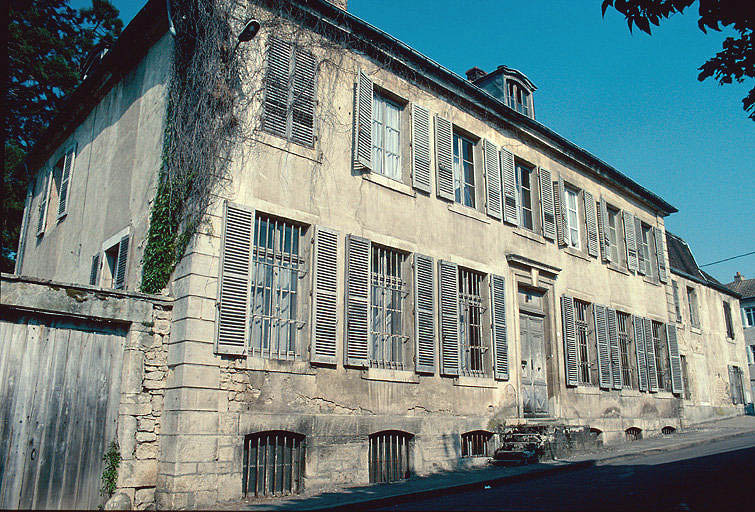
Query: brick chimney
point(738, 277)
point(475, 74)
point(341, 4)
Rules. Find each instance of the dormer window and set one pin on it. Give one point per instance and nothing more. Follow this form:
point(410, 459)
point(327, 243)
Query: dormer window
point(509, 86)
point(518, 97)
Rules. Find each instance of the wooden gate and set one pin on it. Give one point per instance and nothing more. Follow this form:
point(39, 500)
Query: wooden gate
point(59, 396)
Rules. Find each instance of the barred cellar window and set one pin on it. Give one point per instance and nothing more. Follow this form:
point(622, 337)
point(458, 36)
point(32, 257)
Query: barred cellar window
point(472, 350)
point(273, 463)
point(583, 322)
point(389, 456)
point(633, 434)
point(278, 266)
point(476, 443)
point(626, 347)
point(668, 430)
point(388, 292)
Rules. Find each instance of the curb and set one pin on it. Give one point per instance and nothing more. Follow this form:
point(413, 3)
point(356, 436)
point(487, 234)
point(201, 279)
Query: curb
point(454, 489)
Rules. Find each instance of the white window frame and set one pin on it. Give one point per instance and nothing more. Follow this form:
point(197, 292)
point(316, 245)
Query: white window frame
point(519, 167)
point(460, 182)
point(381, 106)
point(572, 226)
point(383, 335)
point(748, 316)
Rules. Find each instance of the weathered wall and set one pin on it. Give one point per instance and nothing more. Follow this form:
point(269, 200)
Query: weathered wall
point(80, 367)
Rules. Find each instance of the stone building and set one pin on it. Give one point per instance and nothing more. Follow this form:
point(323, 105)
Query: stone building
point(409, 262)
point(746, 288)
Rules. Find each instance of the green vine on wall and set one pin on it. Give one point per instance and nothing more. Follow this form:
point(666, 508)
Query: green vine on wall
point(112, 459)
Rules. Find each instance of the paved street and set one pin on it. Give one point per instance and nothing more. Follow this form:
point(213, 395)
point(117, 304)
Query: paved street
point(716, 476)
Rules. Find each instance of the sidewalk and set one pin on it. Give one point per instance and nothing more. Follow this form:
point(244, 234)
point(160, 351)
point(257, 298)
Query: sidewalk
point(465, 480)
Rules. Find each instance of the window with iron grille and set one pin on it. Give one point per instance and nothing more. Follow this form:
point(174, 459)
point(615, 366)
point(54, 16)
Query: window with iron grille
point(273, 463)
point(464, 173)
point(476, 443)
point(633, 434)
point(277, 269)
point(626, 346)
point(662, 364)
point(585, 340)
point(389, 456)
point(473, 348)
point(388, 342)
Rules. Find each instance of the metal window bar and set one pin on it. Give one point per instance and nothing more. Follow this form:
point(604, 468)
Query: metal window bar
point(583, 330)
point(387, 304)
point(273, 463)
point(278, 267)
point(389, 456)
point(472, 353)
point(662, 369)
point(625, 342)
point(475, 444)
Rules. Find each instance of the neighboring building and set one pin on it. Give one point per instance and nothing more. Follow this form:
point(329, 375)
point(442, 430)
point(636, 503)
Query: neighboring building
point(711, 340)
point(372, 310)
point(746, 289)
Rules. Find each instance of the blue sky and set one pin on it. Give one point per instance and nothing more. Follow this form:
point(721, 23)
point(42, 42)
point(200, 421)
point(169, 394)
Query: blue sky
point(633, 100)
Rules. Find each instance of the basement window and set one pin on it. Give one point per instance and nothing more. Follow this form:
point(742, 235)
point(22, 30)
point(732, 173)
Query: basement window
point(633, 434)
point(389, 456)
point(476, 443)
point(668, 430)
point(273, 463)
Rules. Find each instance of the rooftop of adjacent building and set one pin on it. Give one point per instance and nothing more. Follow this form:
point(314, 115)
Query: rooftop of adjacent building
point(683, 263)
point(742, 286)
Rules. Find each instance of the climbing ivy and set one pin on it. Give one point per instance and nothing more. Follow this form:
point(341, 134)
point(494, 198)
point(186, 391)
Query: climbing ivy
point(112, 460)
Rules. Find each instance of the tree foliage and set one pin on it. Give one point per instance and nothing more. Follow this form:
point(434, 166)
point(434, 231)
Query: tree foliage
point(735, 62)
point(48, 44)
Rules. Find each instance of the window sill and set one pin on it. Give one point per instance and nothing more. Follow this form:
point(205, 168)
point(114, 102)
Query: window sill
point(577, 254)
point(475, 382)
point(466, 211)
point(386, 375)
point(618, 269)
point(629, 392)
point(651, 281)
point(279, 366)
point(663, 395)
point(588, 390)
point(525, 233)
point(389, 183)
point(695, 330)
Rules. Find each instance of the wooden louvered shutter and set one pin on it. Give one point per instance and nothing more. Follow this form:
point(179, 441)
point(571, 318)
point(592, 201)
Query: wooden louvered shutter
point(95, 271)
point(42, 213)
point(277, 87)
point(604, 351)
point(548, 205)
point(232, 326)
point(448, 296)
point(492, 179)
point(65, 181)
point(121, 264)
point(677, 383)
point(650, 356)
point(363, 123)
point(444, 158)
point(357, 301)
point(559, 207)
point(639, 347)
point(590, 224)
point(420, 148)
point(613, 343)
point(630, 241)
point(424, 313)
point(640, 253)
point(660, 253)
point(498, 325)
point(324, 296)
point(604, 236)
point(568, 320)
point(510, 198)
point(303, 101)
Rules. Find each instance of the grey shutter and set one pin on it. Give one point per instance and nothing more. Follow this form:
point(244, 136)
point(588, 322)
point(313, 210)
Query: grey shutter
point(420, 148)
point(444, 157)
point(605, 237)
point(424, 313)
point(547, 204)
point(559, 207)
point(510, 199)
point(95, 271)
point(630, 240)
point(639, 347)
point(498, 325)
point(650, 355)
point(613, 343)
point(232, 326)
point(121, 264)
point(65, 181)
point(660, 253)
point(492, 179)
point(324, 296)
point(363, 123)
point(277, 87)
point(640, 254)
point(357, 301)
point(568, 320)
point(303, 101)
point(604, 351)
point(677, 384)
point(590, 224)
point(42, 213)
point(448, 296)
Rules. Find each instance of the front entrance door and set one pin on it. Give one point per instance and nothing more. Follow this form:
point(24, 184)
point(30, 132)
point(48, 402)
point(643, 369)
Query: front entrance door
point(534, 384)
